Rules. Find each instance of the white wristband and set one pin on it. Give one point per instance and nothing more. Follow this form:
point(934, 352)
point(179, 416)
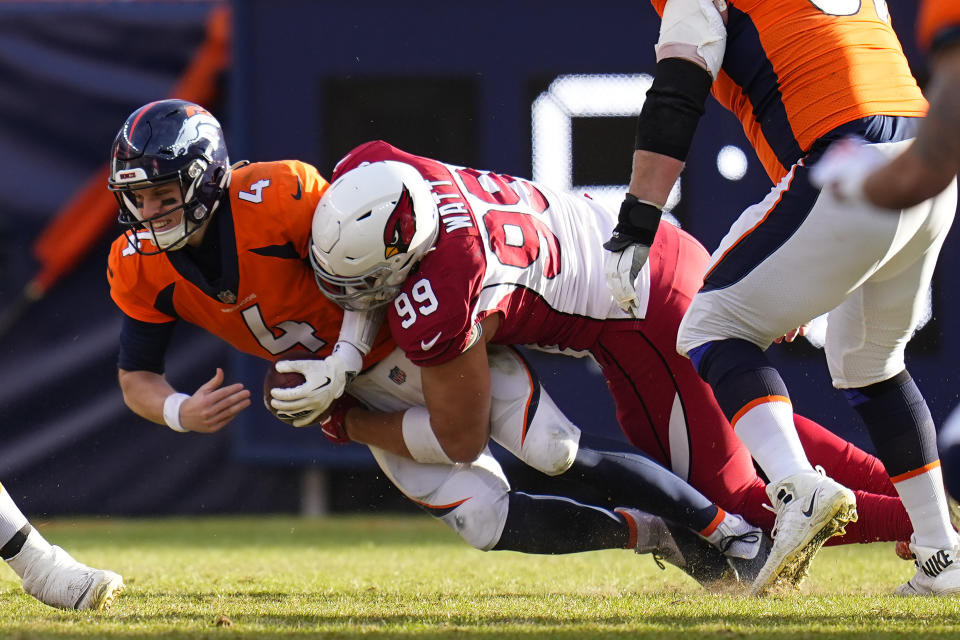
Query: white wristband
point(418, 435)
point(171, 411)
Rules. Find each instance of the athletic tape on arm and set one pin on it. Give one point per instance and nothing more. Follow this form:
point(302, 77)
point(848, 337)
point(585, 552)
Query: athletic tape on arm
point(419, 437)
point(693, 30)
point(360, 328)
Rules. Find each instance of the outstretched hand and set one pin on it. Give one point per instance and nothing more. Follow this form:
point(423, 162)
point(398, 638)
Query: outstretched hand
point(212, 407)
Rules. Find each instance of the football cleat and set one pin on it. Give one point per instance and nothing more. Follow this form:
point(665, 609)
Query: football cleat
point(938, 573)
point(810, 508)
point(682, 548)
point(747, 551)
point(54, 578)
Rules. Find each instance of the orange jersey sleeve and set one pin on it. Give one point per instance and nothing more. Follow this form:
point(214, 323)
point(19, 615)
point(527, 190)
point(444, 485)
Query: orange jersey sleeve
point(938, 23)
point(266, 301)
point(792, 73)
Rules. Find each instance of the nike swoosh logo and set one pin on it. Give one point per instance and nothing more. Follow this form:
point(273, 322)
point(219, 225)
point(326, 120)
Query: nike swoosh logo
point(86, 590)
point(426, 345)
point(809, 510)
point(299, 193)
point(325, 383)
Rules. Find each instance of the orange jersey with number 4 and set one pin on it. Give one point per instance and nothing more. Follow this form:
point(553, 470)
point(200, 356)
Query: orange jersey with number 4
point(266, 300)
point(796, 69)
point(938, 19)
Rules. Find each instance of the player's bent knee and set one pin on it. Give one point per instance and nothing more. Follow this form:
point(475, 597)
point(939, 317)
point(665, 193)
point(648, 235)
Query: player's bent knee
point(856, 368)
point(472, 499)
point(552, 441)
point(523, 417)
point(480, 520)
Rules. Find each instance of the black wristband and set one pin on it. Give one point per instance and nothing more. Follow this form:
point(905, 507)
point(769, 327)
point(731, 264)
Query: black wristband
point(637, 224)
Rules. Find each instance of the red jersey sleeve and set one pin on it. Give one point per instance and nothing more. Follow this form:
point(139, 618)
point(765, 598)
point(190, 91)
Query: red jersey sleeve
point(432, 317)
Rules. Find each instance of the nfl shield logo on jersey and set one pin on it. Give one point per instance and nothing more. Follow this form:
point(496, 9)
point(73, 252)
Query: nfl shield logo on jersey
point(398, 375)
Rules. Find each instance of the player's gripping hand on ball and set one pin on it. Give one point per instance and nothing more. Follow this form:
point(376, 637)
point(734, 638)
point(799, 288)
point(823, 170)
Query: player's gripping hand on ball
point(324, 382)
point(210, 408)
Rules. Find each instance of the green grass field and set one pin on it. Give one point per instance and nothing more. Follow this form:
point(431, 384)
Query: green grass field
point(399, 577)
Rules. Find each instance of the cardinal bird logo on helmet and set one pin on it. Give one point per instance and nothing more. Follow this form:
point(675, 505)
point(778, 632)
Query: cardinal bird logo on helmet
point(400, 227)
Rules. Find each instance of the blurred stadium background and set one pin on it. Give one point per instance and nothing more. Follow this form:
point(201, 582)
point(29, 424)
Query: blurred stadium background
point(547, 90)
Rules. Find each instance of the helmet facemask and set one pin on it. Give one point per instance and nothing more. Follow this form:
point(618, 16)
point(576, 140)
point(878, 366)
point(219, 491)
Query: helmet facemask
point(363, 292)
point(194, 212)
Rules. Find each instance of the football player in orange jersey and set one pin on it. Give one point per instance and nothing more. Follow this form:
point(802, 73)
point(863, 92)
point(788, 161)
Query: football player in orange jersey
point(925, 168)
point(801, 74)
point(225, 247)
point(928, 165)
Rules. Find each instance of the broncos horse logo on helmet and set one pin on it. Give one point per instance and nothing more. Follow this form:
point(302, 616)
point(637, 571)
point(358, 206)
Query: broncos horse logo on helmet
point(169, 142)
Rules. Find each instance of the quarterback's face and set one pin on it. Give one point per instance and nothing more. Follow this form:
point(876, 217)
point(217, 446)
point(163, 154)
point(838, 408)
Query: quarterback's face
point(154, 201)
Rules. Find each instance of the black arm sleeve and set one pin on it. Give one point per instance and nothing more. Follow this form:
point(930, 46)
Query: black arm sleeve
point(672, 109)
point(143, 344)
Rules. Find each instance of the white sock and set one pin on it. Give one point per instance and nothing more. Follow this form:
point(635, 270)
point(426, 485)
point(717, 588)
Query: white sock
point(768, 431)
point(11, 518)
point(35, 546)
point(926, 504)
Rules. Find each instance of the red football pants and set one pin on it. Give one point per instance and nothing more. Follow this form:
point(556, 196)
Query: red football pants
point(652, 385)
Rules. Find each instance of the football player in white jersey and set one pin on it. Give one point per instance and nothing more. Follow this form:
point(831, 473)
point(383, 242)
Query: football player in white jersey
point(465, 258)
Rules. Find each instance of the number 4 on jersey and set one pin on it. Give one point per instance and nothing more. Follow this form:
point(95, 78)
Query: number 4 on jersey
point(292, 333)
point(255, 194)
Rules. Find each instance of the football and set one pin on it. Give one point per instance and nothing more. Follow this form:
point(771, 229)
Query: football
point(274, 378)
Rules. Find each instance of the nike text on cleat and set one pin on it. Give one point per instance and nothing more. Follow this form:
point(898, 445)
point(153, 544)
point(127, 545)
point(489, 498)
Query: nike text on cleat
point(938, 572)
point(810, 508)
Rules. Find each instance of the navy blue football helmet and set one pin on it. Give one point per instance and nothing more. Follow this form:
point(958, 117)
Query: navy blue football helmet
point(169, 141)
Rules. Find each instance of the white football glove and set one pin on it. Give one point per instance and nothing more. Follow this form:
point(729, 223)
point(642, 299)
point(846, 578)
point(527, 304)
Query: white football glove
point(622, 269)
point(325, 382)
point(845, 166)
